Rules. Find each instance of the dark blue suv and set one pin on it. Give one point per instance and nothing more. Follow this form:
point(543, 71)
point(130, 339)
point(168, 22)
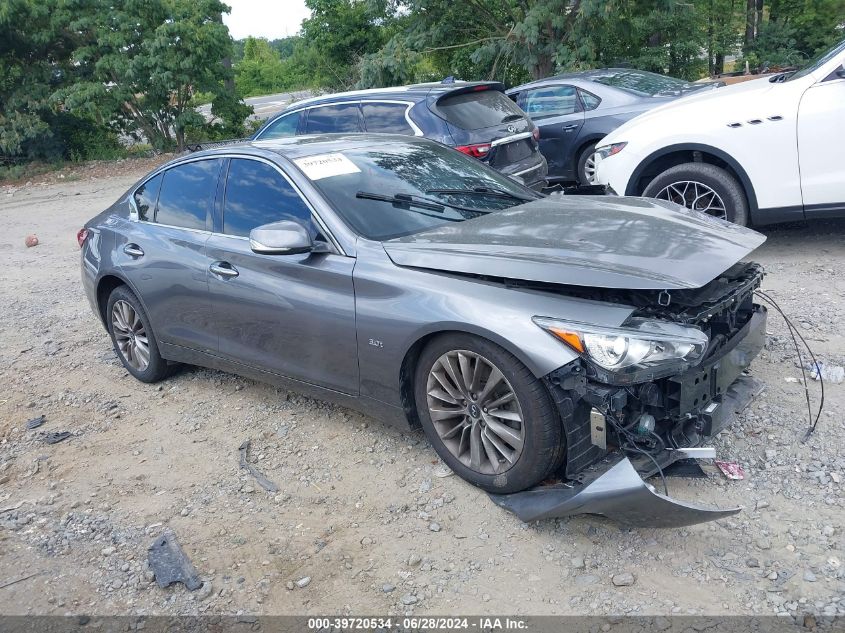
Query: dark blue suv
point(475, 118)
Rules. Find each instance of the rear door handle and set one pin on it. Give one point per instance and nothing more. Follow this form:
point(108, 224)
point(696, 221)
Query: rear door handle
point(223, 269)
point(133, 250)
point(570, 127)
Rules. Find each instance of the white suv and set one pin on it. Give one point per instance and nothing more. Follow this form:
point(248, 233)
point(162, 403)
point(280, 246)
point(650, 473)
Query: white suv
point(763, 151)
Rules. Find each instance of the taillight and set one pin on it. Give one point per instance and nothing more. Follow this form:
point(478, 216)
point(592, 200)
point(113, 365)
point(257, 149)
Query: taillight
point(536, 134)
point(476, 151)
point(81, 236)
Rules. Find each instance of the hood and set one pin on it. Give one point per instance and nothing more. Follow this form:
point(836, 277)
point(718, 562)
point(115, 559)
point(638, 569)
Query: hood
point(602, 241)
point(736, 102)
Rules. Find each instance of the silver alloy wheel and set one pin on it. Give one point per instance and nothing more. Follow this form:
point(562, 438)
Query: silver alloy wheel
point(694, 195)
point(590, 169)
point(475, 412)
point(130, 335)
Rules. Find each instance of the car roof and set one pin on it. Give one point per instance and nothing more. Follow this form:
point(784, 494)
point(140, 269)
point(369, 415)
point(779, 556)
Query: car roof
point(309, 145)
point(583, 75)
point(411, 92)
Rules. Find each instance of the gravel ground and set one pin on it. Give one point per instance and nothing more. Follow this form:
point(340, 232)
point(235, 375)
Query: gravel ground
point(364, 520)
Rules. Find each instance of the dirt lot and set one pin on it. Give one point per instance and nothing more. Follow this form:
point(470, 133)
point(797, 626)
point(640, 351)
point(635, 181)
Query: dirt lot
point(362, 510)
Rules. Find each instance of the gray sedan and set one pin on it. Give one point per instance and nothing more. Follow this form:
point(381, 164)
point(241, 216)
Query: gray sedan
point(529, 336)
point(576, 110)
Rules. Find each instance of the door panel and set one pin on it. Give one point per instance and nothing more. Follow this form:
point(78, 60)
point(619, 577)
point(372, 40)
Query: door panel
point(557, 112)
point(163, 255)
point(821, 144)
point(171, 278)
point(293, 315)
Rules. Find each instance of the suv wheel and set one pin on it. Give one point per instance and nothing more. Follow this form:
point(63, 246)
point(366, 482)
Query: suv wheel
point(486, 415)
point(133, 338)
point(586, 167)
point(702, 187)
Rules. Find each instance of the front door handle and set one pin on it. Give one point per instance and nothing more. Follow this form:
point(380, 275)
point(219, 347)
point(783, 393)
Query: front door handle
point(133, 250)
point(223, 269)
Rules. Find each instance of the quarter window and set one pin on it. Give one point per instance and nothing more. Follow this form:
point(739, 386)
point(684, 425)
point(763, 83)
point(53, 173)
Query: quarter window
point(145, 198)
point(335, 118)
point(257, 194)
point(549, 101)
point(590, 101)
point(187, 192)
point(386, 117)
point(283, 127)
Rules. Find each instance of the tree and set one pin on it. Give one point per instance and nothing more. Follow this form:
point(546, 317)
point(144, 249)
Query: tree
point(33, 61)
point(144, 59)
point(337, 35)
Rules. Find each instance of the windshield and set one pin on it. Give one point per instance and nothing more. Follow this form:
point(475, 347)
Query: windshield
point(644, 83)
point(820, 61)
point(360, 183)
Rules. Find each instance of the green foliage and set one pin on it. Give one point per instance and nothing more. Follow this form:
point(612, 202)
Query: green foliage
point(337, 35)
point(142, 61)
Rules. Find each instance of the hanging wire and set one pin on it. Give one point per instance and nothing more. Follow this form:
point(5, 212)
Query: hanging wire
point(793, 331)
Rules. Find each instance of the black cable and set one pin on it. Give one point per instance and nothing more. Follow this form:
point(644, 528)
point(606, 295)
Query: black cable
point(632, 446)
point(793, 331)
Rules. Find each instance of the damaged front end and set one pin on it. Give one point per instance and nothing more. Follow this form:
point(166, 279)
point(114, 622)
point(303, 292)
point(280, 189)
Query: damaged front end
point(625, 426)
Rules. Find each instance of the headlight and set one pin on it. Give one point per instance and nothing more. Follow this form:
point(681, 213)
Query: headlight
point(609, 150)
point(640, 344)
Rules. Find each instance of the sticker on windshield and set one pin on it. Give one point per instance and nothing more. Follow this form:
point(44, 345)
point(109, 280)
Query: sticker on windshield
point(326, 166)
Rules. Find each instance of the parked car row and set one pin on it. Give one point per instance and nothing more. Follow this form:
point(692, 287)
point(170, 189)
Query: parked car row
point(760, 152)
point(475, 118)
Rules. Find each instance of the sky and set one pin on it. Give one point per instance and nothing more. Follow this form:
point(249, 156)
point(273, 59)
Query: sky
point(265, 18)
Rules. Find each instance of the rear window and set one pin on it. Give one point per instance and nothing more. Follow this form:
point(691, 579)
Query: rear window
point(642, 82)
point(476, 110)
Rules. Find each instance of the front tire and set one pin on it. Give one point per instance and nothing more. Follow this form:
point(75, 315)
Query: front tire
point(133, 337)
point(702, 187)
point(489, 419)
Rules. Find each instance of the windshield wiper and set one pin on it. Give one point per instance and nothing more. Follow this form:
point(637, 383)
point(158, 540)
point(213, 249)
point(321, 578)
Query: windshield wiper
point(402, 200)
point(408, 200)
point(490, 192)
point(511, 117)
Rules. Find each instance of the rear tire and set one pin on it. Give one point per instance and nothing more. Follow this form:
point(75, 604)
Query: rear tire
point(586, 166)
point(133, 338)
point(518, 438)
point(704, 187)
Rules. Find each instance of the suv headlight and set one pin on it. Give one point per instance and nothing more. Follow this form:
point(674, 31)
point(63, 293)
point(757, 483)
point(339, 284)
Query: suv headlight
point(609, 150)
point(641, 344)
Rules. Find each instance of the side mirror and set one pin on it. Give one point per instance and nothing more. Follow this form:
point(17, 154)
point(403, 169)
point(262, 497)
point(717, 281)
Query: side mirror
point(280, 238)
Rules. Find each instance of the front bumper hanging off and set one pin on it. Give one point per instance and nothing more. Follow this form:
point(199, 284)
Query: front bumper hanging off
point(613, 487)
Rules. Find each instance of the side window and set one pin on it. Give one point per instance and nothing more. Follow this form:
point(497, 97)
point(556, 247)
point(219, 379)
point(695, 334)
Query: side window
point(145, 198)
point(187, 192)
point(386, 117)
point(549, 101)
point(283, 127)
point(334, 118)
point(257, 194)
point(590, 101)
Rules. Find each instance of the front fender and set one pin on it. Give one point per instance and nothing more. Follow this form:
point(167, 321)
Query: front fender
point(398, 306)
